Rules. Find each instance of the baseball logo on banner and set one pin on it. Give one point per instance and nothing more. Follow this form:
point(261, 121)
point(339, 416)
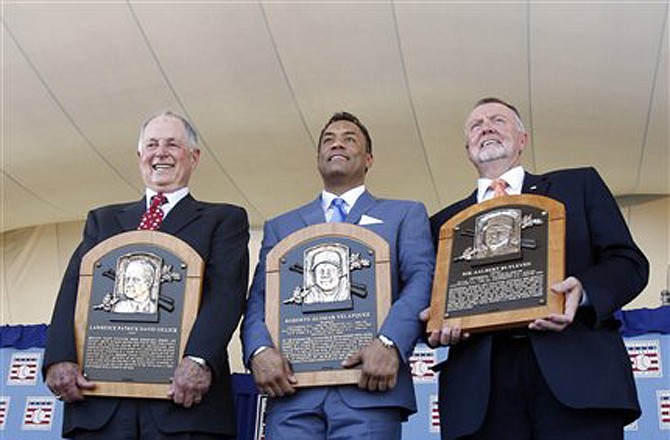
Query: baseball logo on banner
point(420, 363)
point(434, 420)
point(4, 409)
point(645, 357)
point(663, 397)
point(38, 413)
point(23, 368)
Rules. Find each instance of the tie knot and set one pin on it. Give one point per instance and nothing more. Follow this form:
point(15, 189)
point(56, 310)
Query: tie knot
point(158, 200)
point(499, 187)
point(338, 203)
point(339, 210)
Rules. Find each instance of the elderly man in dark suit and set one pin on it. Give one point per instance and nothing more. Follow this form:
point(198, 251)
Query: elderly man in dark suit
point(200, 401)
point(566, 376)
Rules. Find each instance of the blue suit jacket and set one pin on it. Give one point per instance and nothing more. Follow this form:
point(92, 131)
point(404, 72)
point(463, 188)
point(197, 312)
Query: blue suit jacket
point(405, 227)
point(219, 233)
point(586, 365)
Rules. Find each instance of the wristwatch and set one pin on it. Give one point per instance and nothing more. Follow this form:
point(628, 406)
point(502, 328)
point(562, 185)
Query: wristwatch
point(386, 342)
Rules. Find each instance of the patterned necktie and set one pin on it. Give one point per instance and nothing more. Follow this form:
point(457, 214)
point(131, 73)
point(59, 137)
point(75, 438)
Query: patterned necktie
point(499, 187)
point(339, 213)
point(152, 218)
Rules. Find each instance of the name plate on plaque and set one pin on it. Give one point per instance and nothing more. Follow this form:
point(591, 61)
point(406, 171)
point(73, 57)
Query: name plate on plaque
point(496, 263)
point(328, 290)
point(138, 297)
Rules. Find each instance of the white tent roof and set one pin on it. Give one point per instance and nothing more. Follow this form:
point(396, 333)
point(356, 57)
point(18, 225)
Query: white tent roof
point(259, 79)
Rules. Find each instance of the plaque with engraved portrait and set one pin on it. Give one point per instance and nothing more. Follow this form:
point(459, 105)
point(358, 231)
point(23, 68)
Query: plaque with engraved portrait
point(328, 290)
point(496, 263)
point(138, 297)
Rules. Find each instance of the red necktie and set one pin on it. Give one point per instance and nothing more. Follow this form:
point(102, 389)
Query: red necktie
point(499, 187)
point(152, 218)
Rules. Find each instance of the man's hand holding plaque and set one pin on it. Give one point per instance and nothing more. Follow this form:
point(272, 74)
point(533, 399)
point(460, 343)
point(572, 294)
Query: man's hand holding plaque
point(66, 382)
point(379, 366)
point(273, 373)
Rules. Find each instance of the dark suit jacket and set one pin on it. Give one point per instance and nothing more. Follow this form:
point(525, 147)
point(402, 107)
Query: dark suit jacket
point(220, 234)
point(404, 225)
point(586, 365)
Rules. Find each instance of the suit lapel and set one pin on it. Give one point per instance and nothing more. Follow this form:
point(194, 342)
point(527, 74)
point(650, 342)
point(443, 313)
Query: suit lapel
point(184, 212)
point(312, 213)
point(130, 216)
point(472, 200)
point(187, 210)
point(362, 205)
point(534, 184)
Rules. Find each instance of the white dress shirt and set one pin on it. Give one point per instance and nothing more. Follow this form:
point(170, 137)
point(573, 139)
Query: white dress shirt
point(172, 199)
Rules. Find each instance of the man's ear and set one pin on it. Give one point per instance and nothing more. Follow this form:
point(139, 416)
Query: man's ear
point(524, 140)
point(369, 160)
point(195, 157)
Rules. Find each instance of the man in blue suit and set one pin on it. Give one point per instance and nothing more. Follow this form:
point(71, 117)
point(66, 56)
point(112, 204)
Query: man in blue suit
point(385, 395)
point(200, 403)
point(565, 376)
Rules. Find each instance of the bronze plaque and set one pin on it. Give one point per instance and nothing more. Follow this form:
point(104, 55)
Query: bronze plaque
point(139, 294)
point(496, 262)
point(328, 290)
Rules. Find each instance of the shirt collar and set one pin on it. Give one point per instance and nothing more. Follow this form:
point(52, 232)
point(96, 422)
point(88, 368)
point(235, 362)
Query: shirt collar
point(172, 198)
point(513, 177)
point(350, 197)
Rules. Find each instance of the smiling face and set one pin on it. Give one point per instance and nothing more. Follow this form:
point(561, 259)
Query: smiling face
point(327, 276)
point(343, 158)
point(166, 159)
point(495, 139)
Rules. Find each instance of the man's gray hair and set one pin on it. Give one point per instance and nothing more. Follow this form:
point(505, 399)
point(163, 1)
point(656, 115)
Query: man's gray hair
point(191, 134)
point(494, 100)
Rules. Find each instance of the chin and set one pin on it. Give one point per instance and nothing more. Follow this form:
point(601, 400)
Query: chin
point(491, 156)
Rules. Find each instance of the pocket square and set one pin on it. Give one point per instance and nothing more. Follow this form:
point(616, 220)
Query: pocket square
point(367, 220)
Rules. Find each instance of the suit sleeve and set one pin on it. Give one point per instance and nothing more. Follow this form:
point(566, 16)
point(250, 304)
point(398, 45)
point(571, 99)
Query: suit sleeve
point(223, 291)
point(620, 270)
point(416, 261)
point(254, 331)
point(60, 344)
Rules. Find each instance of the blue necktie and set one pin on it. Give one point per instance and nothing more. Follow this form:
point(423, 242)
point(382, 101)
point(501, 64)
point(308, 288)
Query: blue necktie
point(339, 213)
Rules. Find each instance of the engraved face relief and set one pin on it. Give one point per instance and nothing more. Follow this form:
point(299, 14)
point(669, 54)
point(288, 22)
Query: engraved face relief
point(137, 293)
point(137, 282)
point(498, 233)
point(327, 279)
point(326, 276)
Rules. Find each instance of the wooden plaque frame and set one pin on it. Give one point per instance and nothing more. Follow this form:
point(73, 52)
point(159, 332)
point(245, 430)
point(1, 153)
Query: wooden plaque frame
point(194, 268)
point(273, 302)
point(518, 317)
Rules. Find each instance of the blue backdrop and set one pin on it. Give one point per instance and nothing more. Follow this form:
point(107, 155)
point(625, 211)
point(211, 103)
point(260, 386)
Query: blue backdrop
point(29, 411)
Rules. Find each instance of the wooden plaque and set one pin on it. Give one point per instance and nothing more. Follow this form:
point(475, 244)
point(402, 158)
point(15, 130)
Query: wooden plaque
point(138, 298)
point(328, 290)
point(496, 262)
